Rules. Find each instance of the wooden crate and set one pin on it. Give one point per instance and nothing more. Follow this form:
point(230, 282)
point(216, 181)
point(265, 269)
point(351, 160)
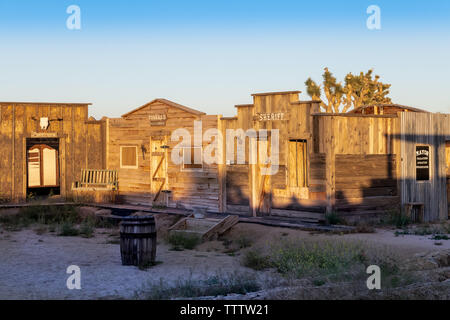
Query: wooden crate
point(205, 229)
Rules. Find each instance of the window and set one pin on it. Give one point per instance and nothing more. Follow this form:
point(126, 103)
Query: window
point(422, 163)
point(297, 163)
point(128, 157)
point(190, 154)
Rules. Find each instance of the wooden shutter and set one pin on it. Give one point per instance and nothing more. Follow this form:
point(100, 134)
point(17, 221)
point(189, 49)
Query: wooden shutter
point(128, 156)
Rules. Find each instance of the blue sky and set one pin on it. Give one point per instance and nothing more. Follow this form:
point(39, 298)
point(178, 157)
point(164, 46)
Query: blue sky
point(211, 55)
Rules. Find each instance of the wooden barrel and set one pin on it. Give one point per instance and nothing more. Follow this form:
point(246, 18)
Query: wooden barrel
point(138, 240)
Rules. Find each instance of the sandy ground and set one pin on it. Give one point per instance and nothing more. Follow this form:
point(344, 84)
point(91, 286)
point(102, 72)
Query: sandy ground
point(34, 266)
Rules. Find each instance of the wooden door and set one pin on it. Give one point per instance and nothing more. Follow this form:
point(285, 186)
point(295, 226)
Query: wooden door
point(43, 167)
point(297, 164)
point(261, 182)
point(158, 171)
point(447, 161)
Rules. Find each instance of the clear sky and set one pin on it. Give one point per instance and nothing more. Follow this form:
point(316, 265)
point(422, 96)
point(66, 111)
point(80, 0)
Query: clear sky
point(211, 55)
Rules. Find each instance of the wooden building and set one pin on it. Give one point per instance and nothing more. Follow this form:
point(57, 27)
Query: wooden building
point(139, 147)
point(359, 164)
point(44, 146)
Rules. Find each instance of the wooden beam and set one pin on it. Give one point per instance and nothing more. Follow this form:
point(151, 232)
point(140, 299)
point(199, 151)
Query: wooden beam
point(330, 164)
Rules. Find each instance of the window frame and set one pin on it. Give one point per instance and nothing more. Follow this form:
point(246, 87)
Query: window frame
point(122, 166)
point(183, 168)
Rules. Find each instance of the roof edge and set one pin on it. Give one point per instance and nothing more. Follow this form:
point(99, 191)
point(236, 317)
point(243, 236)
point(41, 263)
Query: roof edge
point(389, 105)
point(168, 102)
point(48, 103)
point(275, 93)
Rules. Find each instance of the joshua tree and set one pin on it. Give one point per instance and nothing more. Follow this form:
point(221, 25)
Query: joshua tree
point(358, 91)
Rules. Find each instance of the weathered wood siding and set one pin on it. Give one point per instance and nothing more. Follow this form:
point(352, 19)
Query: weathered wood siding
point(353, 145)
point(432, 130)
point(356, 134)
point(366, 183)
point(188, 188)
point(80, 143)
point(277, 191)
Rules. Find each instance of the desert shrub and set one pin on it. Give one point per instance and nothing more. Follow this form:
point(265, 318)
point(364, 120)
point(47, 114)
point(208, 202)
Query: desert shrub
point(332, 218)
point(397, 218)
point(244, 242)
point(67, 229)
point(312, 258)
point(191, 288)
point(87, 228)
point(41, 214)
point(180, 241)
point(254, 259)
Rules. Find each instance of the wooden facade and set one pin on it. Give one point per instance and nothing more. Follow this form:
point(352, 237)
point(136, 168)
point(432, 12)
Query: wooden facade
point(358, 164)
point(155, 179)
point(432, 131)
point(46, 145)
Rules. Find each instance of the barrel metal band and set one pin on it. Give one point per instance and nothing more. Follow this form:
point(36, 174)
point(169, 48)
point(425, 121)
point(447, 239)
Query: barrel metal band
point(137, 223)
point(129, 235)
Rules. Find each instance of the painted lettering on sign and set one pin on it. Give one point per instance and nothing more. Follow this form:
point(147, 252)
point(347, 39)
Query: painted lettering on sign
point(158, 119)
point(422, 163)
point(271, 116)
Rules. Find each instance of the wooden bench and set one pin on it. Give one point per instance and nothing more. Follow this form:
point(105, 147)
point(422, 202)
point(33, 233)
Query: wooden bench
point(98, 179)
point(97, 186)
point(415, 211)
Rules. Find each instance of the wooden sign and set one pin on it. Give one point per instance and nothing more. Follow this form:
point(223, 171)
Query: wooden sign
point(422, 163)
point(44, 134)
point(157, 119)
point(271, 116)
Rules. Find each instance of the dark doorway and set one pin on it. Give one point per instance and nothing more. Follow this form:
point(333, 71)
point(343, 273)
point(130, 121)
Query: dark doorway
point(42, 157)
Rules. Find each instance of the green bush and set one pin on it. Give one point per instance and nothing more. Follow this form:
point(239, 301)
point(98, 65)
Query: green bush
point(254, 259)
point(308, 258)
point(180, 241)
point(332, 218)
point(398, 219)
point(46, 215)
point(67, 229)
point(87, 228)
point(191, 288)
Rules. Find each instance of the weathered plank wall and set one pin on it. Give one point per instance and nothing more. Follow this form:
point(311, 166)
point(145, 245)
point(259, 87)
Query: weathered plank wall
point(347, 138)
point(80, 143)
point(275, 191)
point(431, 130)
point(188, 188)
point(366, 183)
point(356, 134)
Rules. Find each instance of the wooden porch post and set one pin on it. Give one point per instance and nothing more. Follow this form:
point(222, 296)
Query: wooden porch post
point(330, 159)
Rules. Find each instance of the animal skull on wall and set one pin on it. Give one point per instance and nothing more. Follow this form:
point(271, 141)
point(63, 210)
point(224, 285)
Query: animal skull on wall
point(44, 123)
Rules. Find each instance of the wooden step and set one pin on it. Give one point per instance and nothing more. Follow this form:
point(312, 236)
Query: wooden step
point(298, 214)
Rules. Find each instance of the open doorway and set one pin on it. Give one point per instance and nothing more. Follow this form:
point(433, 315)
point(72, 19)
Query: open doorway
point(43, 178)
